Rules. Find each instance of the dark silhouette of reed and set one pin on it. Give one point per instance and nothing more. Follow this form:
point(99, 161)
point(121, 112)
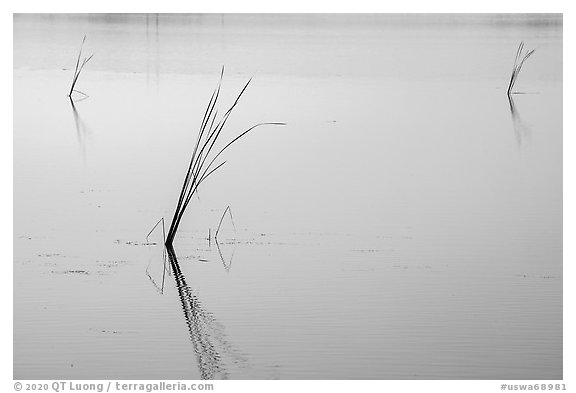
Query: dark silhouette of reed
point(518, 63)
point(78, 70)
point(204, 155)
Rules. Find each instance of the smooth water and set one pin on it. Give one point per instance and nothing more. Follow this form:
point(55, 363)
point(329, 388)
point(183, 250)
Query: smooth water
point(406, 223)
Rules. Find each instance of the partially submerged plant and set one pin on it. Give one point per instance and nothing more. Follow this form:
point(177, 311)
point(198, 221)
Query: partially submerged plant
point(222, 219)
point(204, 156)
point(152, 230)
point(518, 63)
point(78, 70)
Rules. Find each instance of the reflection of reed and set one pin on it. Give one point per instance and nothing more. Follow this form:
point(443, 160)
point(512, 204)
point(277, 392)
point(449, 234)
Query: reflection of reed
point(156, 45)
point(81, 129)
point(159, 288)
point(227, 264)
point(521, 131)
point(202, 326)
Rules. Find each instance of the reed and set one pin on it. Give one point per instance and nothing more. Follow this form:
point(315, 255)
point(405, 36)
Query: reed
point(222, 219)
point(78, 70)
point(154, 227)
point(203, 161)
point(518, 63)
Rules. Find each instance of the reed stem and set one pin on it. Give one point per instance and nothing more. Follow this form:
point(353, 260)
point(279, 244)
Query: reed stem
point(518, 63)
point(204, 154)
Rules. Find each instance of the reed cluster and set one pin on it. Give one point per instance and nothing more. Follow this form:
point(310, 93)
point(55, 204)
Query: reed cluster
point(203, 161)
point(518, 63)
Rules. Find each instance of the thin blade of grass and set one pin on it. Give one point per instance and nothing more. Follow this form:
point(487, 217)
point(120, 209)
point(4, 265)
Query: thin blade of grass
point(77, 64)
point(220, 223)
point(220, 126)
point(154, 227)
point(240, 136)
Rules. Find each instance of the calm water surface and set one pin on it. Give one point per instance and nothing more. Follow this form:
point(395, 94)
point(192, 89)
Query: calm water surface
point(405, 224)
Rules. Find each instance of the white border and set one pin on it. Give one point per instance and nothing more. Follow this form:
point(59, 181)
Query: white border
point(490, 6)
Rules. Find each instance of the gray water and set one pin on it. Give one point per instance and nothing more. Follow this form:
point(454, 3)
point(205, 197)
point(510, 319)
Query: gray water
point(406, 223)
